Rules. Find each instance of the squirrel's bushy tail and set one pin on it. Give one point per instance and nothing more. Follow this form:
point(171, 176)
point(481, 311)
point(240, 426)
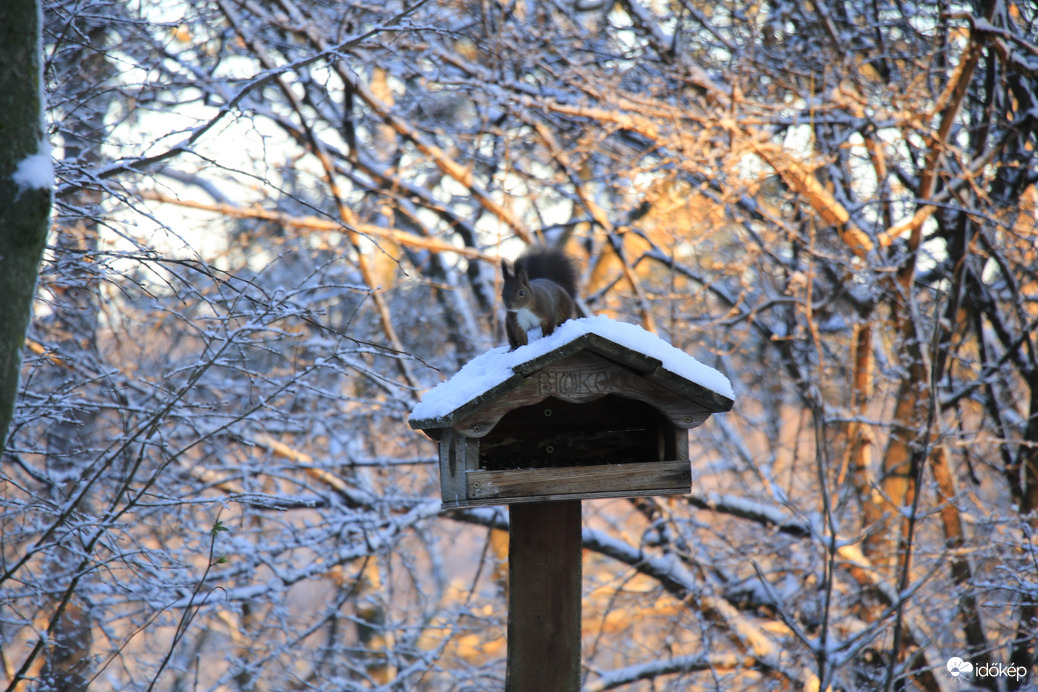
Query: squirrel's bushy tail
point(549, 263)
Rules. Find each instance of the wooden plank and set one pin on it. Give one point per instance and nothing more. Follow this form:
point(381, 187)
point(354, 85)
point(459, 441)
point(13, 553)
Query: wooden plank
point(458, 455)
point(602, 495)
point(621, 354)
point(544, 571)
point(629, 358)
point(561, 353)
point(681, 446)
point(710, 400)
point(645, 478)
point(465, 409)
point(451, 489)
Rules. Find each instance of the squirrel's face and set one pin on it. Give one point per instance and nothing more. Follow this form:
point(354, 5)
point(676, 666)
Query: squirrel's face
point(517, 296)
point(516, 289)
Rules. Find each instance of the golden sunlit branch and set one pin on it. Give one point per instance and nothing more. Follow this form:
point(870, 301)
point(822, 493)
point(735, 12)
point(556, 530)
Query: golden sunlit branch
point(313, 223)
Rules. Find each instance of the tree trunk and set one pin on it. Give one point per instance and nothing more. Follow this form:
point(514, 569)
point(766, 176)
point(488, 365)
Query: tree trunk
point(25, 193)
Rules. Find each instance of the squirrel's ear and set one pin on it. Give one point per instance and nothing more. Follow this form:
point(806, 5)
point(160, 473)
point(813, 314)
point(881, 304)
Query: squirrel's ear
point(504, 268)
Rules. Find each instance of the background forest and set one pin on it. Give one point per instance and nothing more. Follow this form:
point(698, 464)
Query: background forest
point(278, 222)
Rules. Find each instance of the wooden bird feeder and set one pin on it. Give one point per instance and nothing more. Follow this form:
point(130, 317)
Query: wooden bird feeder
point(597, 409)
point(593, 411)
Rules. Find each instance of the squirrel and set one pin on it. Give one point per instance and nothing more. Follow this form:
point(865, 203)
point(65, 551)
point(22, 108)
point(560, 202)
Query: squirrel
point(540, 290)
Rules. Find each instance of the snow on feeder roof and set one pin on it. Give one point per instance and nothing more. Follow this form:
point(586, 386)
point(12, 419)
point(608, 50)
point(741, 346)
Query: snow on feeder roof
point(498, 371)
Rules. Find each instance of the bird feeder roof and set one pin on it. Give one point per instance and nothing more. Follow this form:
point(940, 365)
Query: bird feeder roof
point(490, 377)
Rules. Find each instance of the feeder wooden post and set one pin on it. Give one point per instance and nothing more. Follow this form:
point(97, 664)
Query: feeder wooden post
point(544, 573)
